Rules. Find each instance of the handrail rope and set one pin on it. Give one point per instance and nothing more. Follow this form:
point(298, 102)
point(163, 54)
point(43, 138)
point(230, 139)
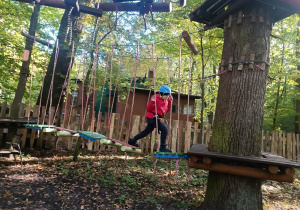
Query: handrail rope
point(68, 76)
point(90, 85)
point(75, 90)
point(143, 123)
point(178, 101)
point(34, 40)
point(113, 99)
point(51, 84)
point(170, 123)
point(109, 94)
point(125, 109)
point(88, 92)
point(133, 94)
point(44, 74)
point(63, 87)
point(94, 93)
point(82, 88)
point(188, 99)
point(99, 117)
point(155, 102)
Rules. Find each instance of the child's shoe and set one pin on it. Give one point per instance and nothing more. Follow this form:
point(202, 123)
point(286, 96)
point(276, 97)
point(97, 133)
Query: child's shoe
point(164, 150)
point(133, 143)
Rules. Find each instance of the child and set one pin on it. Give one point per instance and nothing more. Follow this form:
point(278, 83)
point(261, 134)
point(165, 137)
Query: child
point(163, 104)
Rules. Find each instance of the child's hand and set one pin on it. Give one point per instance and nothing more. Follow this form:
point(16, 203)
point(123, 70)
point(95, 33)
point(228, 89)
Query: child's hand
point(153, 98)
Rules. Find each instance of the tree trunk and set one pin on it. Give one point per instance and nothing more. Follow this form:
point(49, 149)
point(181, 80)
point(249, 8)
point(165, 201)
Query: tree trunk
point(239, 112)
point(297, 117)
point(24, 73)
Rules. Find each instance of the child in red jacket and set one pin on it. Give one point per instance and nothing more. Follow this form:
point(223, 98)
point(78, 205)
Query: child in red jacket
point(163, 105)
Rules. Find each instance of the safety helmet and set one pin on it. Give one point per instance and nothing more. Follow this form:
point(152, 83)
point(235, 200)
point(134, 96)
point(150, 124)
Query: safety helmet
point(165, 90)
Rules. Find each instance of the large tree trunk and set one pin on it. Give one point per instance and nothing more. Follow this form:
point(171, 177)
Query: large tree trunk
point(297, 117)
point(24, 73)
point(239, 113)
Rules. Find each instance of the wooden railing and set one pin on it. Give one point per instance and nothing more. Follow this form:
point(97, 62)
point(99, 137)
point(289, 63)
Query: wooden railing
point(281, 143)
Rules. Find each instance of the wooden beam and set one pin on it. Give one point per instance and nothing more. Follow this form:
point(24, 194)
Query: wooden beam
point(63, 5)
point(36, 39)
point(242, 171)
point(156, 7)
point(190, 42)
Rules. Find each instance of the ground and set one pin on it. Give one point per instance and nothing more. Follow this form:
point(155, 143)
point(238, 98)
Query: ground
point(55, 181)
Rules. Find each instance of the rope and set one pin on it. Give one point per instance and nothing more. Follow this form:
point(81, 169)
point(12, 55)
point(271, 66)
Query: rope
point(170, 124)
point(88, 93)
point(115, 90)
point(34, 40)
point(64, 85)
point(178, 107)
point(188, 100)
point(133, 94)
point(127, 98)
point(94, 91)
point(82, 89)
point(158, 141)
point(51, 84)
point(98, 119)
point(44, 74)
point(76, 82)
point(176, 170)
point(154, 169)
point(68, 76)
point(109, 94)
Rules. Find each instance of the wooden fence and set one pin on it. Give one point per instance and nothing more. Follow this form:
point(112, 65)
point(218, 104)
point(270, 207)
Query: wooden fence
point(281, 143)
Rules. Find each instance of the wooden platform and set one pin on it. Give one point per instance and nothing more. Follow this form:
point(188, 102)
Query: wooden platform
point(267, 167)
point(19, 123)
point(266, 159)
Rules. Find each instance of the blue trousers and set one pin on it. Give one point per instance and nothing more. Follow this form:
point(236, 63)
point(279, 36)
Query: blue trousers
point(162, 127)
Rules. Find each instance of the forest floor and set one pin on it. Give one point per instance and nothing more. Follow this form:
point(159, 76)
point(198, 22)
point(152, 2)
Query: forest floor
point(55, 181)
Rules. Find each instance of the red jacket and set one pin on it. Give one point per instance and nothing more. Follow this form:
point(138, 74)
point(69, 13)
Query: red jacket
point(163, 106)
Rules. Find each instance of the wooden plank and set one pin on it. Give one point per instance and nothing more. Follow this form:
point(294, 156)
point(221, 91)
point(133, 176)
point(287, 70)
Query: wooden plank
point(174, 135)
point(241, 64)
point(280, 143)
point(208, 131)
point(230, 63)
point(181, 139)
point(117, 125)
point(273, 142)
point(289, 143)
point(195, 139)
point(251, 64)
point(8, 115)
point(22, 111)
point(284, 144)
point(3, 109)
point(267, 147)
point(187, 144)
point(240, 17)
point(261, 17)
point(298, 147)
point(294, 157)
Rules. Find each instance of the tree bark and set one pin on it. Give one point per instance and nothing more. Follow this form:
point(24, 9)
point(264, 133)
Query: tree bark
point(63, 60)
point(24, 73)
point(239, 112)
point(297, 117)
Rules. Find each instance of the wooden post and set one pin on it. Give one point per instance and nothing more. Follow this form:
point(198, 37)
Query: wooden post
point(190, 42)
point(289, 141)
point(242, 171)
point(280, 143)
point(174, 136)
point(187, 144)
point(284, 145)
point(195, 140)
point(294, 157)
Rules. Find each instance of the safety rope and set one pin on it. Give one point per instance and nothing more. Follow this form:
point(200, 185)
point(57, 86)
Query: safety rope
point(178, 107)
point(49, 98)
point(155, 103)
point(34, 40)
point(133, 94)
point(44, 74)
point(64, 84)
point(109, 94)
point(82, 89)
point(113, 99)
point(68, 76)
point(99, 115)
